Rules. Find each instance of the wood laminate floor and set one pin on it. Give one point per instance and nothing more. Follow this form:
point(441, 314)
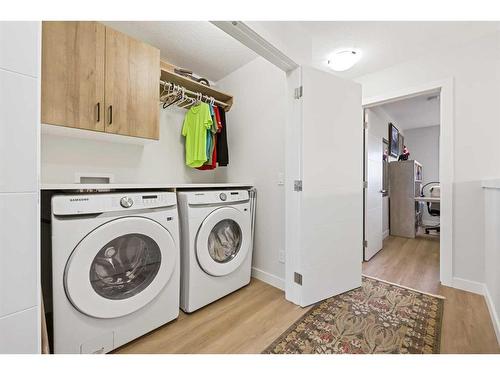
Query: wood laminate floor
point(250, 319)
point(467, 326)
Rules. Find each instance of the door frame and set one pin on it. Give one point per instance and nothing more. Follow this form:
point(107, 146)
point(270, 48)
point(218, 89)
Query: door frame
point(446, 160)
point(366, 184)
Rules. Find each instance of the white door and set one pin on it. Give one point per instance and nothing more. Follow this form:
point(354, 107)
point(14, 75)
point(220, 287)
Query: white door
point(324, 230)
point(374, 149)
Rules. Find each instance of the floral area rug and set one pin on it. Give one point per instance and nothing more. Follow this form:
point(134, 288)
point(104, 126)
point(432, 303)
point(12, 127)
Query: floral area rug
point(378, 317)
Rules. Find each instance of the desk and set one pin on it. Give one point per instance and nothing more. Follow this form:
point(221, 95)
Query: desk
point(428, 199)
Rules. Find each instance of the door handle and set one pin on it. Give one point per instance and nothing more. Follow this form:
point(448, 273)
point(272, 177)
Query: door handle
point(383, 191)
point(98, 112)
point(110, 114)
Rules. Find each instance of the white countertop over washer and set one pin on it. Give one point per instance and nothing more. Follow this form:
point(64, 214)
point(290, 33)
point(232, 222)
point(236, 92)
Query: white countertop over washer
point(113, 186)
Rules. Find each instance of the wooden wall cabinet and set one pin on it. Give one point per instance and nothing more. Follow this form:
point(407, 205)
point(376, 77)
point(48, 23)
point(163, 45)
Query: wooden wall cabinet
point(132, 86)
point(96, 78)
point(73, 74)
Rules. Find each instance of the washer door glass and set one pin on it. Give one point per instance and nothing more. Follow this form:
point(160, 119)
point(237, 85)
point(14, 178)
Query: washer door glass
point(224, 241)
point(125, 266)
point(120, 266)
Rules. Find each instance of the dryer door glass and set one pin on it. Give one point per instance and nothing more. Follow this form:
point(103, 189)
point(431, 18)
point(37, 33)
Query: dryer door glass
point(224, 241)
point(125, 266)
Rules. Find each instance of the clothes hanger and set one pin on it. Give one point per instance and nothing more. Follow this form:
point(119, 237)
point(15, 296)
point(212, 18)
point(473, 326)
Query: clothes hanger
point(196, 100)
point(175, 94)
point(183, 100)
point(166, 87)
point(188, 101)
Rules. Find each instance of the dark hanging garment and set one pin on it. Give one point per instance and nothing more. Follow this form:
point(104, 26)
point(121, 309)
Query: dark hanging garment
point(222, 151)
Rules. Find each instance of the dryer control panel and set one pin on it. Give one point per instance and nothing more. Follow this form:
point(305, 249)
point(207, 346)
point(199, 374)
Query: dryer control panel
point(81, 204)
point(216, 196)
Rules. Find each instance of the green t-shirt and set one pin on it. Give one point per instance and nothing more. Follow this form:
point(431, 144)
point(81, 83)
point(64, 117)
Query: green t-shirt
point(196, 124)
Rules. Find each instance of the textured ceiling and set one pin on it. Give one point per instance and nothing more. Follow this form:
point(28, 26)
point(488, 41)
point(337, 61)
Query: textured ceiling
point(417, 112)
point(195, 45)
point(384, 44)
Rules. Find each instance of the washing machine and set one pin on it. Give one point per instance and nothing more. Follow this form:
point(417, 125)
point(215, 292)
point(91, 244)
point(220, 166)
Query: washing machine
point(216, 245)
point(115, 268)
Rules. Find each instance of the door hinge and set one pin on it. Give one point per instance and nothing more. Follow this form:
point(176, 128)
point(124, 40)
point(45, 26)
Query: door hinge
point(365, 184)
point(297, 278)
point(298, 92)
point(297, 185)
point(365, 243)
point(365, 125)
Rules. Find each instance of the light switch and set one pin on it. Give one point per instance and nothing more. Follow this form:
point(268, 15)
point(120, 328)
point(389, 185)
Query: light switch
point(281, 256)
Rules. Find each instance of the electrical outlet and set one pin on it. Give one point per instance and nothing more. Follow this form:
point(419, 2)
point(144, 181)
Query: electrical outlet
point(281, 256)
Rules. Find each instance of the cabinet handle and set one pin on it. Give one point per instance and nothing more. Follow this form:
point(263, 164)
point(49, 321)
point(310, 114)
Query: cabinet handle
point(110, 114)
point(98, 112)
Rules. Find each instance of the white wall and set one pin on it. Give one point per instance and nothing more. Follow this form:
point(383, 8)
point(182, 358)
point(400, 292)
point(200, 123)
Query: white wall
point(475, 69)
point(423, 144)
point(153, 162)
point(256, 136)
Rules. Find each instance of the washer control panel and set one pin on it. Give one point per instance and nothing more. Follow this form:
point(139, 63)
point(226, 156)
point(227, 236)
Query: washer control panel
point(96, 203)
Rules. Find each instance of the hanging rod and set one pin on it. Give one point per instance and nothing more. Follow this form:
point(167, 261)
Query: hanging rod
point(194, 93)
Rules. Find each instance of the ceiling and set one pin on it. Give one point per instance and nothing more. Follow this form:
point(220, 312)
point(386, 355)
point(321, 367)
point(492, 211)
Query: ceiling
point(211, 53)
point(384, 44)
point(196, 45)
point(417, 112)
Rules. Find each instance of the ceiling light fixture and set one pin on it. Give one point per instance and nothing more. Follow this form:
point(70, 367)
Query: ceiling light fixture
point(343, 59)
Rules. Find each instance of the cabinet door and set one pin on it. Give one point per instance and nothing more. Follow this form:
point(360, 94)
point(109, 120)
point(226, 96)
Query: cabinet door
point(18, 121)
point(18, 332)
point(19, 253)
point(19, 47)
point(73, 74)
point(132, 86)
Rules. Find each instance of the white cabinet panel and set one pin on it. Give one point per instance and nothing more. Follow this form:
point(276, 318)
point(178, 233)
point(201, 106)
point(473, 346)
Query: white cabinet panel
point(19, 50)
point(19, 333)
point(18, 252)
point(18, 132)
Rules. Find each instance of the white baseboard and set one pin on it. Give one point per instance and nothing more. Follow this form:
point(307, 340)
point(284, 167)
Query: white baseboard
point(468, 285)
point(268, 278)
point(385, 234)
point(493, 312)
point(480, 288)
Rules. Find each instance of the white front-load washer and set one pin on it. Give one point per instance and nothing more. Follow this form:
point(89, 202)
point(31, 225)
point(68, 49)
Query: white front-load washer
point(216, 245)
point(115, 268)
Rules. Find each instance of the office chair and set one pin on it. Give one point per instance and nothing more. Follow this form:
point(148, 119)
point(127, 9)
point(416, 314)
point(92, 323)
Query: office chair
point(433, 208)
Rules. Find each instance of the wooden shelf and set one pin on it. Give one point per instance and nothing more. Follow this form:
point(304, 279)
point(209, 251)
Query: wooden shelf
point(168, 75)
